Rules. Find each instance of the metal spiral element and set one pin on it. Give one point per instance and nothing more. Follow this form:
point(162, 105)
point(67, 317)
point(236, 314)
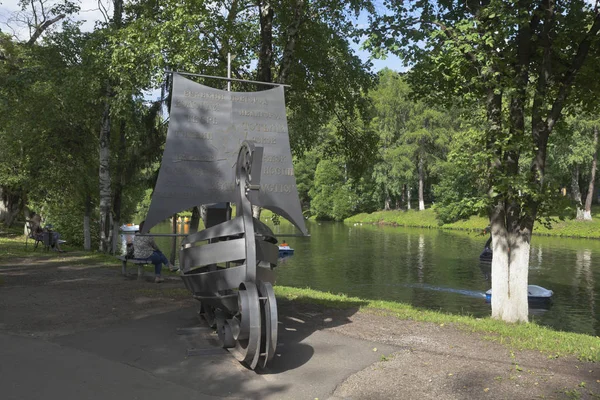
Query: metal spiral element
point(231, 274)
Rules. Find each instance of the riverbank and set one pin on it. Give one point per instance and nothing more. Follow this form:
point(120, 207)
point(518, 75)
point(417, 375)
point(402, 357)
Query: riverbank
point(521, 336)
point(515, 336)
point(64, 307)
point(428, 219)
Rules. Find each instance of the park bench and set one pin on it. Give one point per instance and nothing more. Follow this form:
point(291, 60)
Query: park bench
point(140, 265)
point(30, 235)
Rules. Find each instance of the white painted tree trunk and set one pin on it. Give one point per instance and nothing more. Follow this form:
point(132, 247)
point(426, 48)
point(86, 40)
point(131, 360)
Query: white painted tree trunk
point(174, 227)
point(388, 201)
point(114, 237)
point(421, 183)
point(105, 182)
point(510, 265)
point(408, 197)
point(575, 192)
point(256, 210)
point(587, 212)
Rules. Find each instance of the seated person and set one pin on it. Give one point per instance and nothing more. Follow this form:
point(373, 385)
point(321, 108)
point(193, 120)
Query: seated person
point(37, 233)
point(144, 248)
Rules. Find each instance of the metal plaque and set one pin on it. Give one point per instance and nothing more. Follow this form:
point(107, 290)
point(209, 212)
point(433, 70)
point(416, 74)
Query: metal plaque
point(206, 128)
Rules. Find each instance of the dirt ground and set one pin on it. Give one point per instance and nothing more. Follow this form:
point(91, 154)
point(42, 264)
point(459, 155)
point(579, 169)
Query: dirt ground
point(49, 297)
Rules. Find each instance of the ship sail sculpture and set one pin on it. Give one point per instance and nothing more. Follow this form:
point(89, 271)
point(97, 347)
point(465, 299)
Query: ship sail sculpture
point(230, 147)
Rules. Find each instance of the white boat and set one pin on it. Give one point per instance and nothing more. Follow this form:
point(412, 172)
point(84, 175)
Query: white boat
point(130, 228)
point(285, 250)
point(534, 293)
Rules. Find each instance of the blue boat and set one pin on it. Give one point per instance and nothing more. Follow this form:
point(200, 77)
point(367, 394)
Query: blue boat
point(534, 294)
point(285, 250)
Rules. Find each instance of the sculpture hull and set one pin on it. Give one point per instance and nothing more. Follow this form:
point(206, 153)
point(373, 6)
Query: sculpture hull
point(218, 288)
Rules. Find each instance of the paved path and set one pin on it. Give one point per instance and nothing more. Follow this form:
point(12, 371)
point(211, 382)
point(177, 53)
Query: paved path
point(174, 356)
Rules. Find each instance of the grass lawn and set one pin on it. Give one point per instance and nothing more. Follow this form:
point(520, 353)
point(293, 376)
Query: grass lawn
point(428, 219)
point(518, 336)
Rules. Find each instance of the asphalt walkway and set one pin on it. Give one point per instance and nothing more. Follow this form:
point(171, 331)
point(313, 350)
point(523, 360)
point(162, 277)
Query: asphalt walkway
point(175, 356)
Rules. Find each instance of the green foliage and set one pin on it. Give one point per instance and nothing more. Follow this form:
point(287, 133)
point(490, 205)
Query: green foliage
point(304, 170)
point(412, 136)
point(462, 188)
point(328, 178)
point(310, 44)
point(495, 59)
point(345, 202)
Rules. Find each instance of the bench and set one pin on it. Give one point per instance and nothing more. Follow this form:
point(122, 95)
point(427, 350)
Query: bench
point(140, 265)
point(31, 235)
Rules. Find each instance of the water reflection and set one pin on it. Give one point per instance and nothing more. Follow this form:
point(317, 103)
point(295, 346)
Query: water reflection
point(438, 269)
point(420, 257)
point(583, 278)
point(433, 269)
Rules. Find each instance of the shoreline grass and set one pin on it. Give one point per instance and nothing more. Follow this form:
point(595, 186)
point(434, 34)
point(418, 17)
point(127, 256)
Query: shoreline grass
point(427, 218)
point(528, 336)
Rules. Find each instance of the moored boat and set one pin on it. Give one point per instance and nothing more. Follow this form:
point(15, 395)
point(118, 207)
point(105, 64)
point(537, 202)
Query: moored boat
point(535, 293)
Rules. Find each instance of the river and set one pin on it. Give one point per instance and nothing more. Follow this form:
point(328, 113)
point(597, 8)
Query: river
point(437, 270)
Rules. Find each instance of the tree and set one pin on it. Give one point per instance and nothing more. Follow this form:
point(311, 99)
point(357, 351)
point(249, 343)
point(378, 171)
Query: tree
point(301, 43)
point(332, 194)
point(514, 59)
point(573, 156)
point(412, 137)
point(392, 110)
point(17, 57)
point(428, 131)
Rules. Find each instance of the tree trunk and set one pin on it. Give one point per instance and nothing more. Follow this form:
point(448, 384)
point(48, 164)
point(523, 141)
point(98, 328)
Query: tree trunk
point(403, 195)
point(265, 55)
point(87, 234)
point(587, 214)
point(575, 192)
point(421, 182)
point(388, 201)
point(173, 240)
point(105, 181)
point(118, 192)
point(195, 221)
point(106, 223)
point(510, 245)
point(256, 210)
point(12, 203)
point(510, 264)
point(292, 33)
point(203, 212)
point(408, 197)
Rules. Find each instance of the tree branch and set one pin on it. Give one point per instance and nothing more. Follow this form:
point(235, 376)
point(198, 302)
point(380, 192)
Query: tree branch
point(544, 71)
point(582, 52)
point(40, 29)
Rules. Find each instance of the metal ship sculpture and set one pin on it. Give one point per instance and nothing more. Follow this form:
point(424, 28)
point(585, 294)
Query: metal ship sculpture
point(229, 147)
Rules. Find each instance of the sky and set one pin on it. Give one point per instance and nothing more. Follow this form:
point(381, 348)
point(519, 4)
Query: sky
point(90, 13)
